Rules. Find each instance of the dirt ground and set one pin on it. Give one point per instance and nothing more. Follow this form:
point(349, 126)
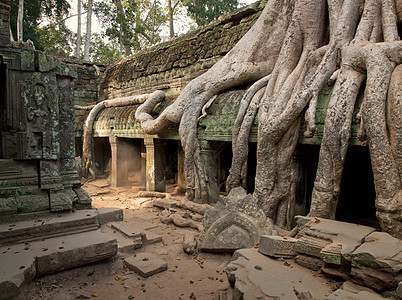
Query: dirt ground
point(196, 276)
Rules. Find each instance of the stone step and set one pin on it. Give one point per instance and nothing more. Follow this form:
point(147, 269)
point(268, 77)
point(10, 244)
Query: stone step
point(110, 214)
point(135, 231)
point(125, 244)
point(146, 264)
point(20, 263)
point(52, 225)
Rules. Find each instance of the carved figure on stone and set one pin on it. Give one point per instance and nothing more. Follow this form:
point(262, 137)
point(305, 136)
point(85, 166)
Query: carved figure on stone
point(38, 116)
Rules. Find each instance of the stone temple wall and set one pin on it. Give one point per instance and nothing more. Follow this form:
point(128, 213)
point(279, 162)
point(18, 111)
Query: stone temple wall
point(37, 151)
point(4, 22)
point(170, 65)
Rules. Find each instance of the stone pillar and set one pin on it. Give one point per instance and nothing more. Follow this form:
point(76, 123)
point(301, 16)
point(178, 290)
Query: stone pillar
point(155, 165)
point(119, 173)
point(210, 160)
point(181, 177)
point(143, 164)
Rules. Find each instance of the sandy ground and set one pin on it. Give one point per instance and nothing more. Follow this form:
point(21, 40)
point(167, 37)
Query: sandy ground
point(196, 276)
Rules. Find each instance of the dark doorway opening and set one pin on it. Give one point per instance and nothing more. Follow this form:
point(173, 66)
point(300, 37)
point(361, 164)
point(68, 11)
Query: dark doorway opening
point(225, 162)
point(251, 166)
point(356, 202)
point(3, 101)
point(306, 160)
point(102, 155)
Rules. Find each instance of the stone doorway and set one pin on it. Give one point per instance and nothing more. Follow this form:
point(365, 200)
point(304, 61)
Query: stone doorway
point(356, 202)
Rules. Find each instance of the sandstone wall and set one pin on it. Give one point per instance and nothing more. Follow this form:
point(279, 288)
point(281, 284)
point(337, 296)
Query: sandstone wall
point(170, 65)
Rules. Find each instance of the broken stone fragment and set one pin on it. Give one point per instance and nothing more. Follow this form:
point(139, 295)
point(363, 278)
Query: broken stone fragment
point(235, 222)
point(277, 246)
point(146, 264)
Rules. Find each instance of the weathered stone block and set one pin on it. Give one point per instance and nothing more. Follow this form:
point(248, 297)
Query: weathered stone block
point(110, 214)
point(375, 279)
point(235, 222)
point(310, 262)
point(75, 250)
point(146, 264)
point(379, 251)
point(277, 246)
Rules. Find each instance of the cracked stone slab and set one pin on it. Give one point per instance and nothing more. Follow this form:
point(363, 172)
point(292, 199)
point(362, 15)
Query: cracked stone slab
point(136, 231)
point(20, 263)
point(125, 244)
point(256, 276)
point(332, 241)
point(54, 225)
point(146, 264)
point(380, 251)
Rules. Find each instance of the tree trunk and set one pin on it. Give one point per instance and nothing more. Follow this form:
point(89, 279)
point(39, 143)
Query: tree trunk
point(78, 46)
point(170, 16)
point(125, 35)
point(88, 32)
point(291, 52)
point(20, 21)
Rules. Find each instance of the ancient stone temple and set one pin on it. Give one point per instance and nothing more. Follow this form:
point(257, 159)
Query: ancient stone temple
point(169, 66)
point(37, 152)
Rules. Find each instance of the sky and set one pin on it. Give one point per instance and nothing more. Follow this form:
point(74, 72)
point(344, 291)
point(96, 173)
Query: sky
point(181, 26)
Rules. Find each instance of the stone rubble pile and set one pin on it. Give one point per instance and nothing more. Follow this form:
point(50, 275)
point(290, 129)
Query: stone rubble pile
point(365, 259)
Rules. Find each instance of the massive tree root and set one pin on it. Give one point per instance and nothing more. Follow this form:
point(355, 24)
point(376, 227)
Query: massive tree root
point(292, 51)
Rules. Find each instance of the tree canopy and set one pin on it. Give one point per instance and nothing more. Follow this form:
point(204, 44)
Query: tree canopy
point(205, 11)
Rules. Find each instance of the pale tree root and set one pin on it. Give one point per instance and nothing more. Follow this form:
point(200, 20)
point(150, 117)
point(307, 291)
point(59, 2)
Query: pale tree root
point(245, 63)
point(334, 143)
point(379, 59)
point(241, 131)
point(89, 122)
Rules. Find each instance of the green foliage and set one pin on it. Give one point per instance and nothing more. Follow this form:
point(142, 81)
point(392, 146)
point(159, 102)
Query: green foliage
point(205, 11)
point(103, 51)
point(57, 37)
point(34, 12)
point(143, 20)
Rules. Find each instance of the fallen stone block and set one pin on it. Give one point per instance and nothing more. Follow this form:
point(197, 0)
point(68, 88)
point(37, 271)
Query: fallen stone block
point(165, 203)
point(71, 251)
point(309, 262)
point(57, 224)
point(16, 268)
point(277, 246)
point(379, 251)
point(331, 240)
point(110, 214)
point(146, 264)
point(20, 263)
point(125, 244)
point(375, 279)
point(128, 229)
point(151, 238)
point(255, 276)
point(338, 272)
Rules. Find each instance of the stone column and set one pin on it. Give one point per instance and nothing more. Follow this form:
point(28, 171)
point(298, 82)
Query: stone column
point(181, 177)
point(155, 165)
point(119, 173)
point(210, 160)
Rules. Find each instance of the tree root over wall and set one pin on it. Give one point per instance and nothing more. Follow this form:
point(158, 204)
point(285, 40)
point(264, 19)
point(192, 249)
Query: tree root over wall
point(290, 53)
